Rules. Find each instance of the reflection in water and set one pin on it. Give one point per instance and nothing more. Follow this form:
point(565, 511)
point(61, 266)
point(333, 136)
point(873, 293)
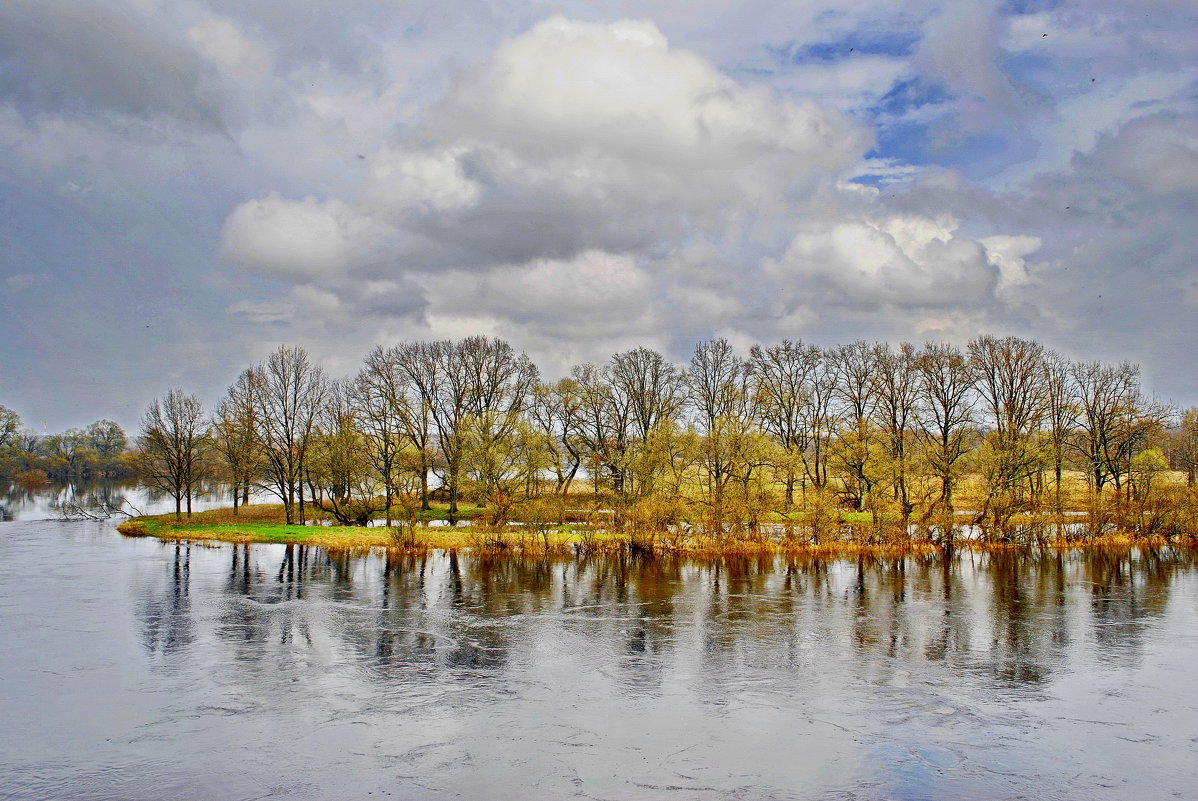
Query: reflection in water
point(1012, 616)
point(167, 623)
point(98, 499)
point(242, 671)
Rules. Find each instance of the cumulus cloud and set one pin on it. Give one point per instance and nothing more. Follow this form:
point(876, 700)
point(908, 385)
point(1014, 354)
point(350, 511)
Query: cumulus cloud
point(298, 239)
point(574, 137)
point(592, 294)
point(580, 183)
point(419, 181)
point(898, 260)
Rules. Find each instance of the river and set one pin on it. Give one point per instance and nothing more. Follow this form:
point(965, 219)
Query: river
point(134, 669)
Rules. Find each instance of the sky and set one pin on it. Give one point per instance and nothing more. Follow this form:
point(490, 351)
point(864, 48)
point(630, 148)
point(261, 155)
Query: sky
point(185, 185)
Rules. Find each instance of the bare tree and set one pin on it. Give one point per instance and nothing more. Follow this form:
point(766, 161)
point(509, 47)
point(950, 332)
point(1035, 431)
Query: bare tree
point(856, 446)
point(784, 389)
point(380, 397)
point(1009, 375)
point(721, 398)
point(234, 435)
point(555, 410)
point(601, 420)
point(290, 395)
point(476, 388)
point(1060, 415)
point(1183, 445)
point(1114, 420)
point(499, 386)
point(172, 442)
point(945, 418)
point(649, 391)
point(340, 462)
point(896, 389)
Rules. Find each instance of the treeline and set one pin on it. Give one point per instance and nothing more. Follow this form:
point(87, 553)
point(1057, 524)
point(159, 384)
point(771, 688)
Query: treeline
point(99, 451)
point(789, 437)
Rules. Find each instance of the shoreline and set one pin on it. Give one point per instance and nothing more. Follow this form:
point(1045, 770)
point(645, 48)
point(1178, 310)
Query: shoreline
point(219, 526)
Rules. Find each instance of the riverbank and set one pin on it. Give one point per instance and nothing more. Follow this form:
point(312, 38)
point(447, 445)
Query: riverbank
point(264, 524)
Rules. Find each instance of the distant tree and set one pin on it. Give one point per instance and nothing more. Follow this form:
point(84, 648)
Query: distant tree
point(10, 427)
point(173, 442)
point(70, 453)
point(107, 441)
point(107, 438)
point(1183, 445)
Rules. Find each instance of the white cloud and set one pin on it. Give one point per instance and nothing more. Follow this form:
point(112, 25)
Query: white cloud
point(1009, 254)
point(221, 42)
point(899, 260)
point(400, 181)
point(297, 239)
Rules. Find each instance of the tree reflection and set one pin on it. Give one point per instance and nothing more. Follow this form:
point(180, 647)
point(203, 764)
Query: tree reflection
point(167, 624)
point(647, 623)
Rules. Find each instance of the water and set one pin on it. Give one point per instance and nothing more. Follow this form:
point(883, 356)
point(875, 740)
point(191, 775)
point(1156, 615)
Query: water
point(133, 669)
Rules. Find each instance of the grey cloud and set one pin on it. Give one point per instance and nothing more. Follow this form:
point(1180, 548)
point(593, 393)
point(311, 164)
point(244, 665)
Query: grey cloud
point(101, 55)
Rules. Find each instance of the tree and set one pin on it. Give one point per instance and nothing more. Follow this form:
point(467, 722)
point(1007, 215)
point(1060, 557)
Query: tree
point(647, 393)
point(403, 380)
point(945, 420)
point(379, 397)
point(896, 389)
point(234, 435)
point(1114, 421)
point(1183, 445)
point(856, 446)
point(601, 420)
point(1060, 395)
point(10, 427)
point(289, 394)
point(554, 410)
point(1009, 376)
point(785, 392)
point(340, 462)
point(70, 453)
point(500, 384)
point(722, 401)
point(476, 388)
point(172, 443)
point(107, 441)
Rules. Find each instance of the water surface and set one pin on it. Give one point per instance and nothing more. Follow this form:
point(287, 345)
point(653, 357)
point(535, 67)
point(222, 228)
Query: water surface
point(134, 669)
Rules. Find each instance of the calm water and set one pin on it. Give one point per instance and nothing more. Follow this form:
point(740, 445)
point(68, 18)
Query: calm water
point(132, 669)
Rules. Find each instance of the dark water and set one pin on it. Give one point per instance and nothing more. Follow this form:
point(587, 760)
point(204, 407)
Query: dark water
point(132, 669)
